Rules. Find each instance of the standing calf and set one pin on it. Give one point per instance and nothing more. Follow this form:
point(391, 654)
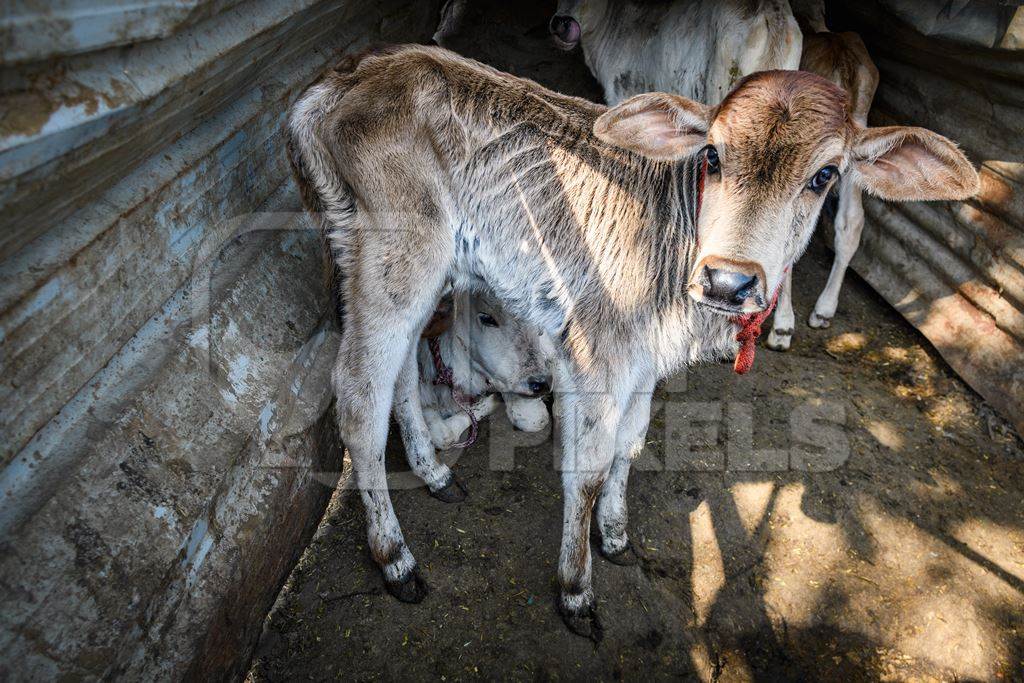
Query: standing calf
point(695, 48)
point(636, 235)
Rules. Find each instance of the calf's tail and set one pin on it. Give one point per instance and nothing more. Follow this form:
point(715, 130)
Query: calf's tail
point(325, 195)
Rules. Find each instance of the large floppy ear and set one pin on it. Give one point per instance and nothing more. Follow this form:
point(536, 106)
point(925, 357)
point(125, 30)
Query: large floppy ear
point(657, 125)
point(905, 163)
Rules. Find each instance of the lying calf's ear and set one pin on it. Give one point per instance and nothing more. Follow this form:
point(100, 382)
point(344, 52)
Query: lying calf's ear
point(441, 320)
point(657, 125)
point(904, 163)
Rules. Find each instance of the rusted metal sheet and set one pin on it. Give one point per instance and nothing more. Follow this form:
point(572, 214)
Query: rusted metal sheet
point(955, 270)
point(163, 337)
point(32, 30)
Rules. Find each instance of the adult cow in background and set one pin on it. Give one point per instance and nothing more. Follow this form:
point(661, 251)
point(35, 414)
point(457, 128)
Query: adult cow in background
point(699, 50)
point(694, 48)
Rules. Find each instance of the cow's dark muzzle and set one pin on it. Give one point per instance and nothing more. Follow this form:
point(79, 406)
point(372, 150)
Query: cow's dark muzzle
point(565, 31)
point(732, 287)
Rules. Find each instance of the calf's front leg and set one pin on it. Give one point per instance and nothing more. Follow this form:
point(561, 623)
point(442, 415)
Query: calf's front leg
point(589, 425)
point(781, 336)
point(611, 506)
point(448, 431)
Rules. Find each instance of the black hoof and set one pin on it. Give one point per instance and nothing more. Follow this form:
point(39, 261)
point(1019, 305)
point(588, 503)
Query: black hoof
point(452, 492)
point(584, 623)
point(626, 557)
point(411, 588)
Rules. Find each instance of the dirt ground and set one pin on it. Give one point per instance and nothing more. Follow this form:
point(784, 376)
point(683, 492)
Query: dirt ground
point(886, 541)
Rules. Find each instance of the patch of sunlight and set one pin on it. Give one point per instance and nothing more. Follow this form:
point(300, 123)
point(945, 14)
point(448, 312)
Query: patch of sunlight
point(896, 354)
point(943, 486)
point(1000, 544)
point(920, 597)
point(847, 342)
point(948, 629)
point(800, 560)
point(950, 411)
point(885, 433)
point(708, 569)
point(906, 358)
point(797, 391)
point(704, 666)
point(910, 300)
point(752, 502)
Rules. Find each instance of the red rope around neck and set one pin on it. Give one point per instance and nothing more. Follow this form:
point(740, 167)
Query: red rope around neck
point(446, 377)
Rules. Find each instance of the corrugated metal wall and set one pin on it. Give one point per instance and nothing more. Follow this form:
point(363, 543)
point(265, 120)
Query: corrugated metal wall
point(163, 343)
point(955, 270)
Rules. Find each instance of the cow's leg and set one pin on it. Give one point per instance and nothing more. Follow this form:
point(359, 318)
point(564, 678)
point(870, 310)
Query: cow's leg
point(365, 389)
point(589, 426)
point(784, 320)
point(416, 435)
point(849, 224)
point(611, 505)
point(388, 297)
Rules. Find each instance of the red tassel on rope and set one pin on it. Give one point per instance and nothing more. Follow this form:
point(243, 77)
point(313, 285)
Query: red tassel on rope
point(750, 330)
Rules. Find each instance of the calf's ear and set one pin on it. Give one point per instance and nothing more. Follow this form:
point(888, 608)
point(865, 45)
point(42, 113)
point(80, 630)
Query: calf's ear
point(904, 163)
point(442, 319)
point(657, 125)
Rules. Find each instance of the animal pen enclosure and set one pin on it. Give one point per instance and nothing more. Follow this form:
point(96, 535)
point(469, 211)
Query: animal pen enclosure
point(167, 447)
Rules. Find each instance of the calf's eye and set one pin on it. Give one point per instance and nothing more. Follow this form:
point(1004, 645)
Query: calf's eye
point(711, 155)
point(487, 320)
point(822, 178)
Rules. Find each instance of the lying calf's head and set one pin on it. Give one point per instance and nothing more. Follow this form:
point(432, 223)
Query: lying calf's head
point(512, 355)
point(773, 148)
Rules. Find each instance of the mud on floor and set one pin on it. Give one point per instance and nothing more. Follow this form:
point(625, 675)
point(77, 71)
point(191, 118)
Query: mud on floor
point(906, 559)
point(882, 540)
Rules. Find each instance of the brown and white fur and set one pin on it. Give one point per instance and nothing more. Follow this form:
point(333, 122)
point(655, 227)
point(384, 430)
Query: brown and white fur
point(424, 168)
point(634, 47)
point(490, 353)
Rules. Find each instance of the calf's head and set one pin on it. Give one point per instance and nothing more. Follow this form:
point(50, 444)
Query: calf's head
point(771, 151)
point(512, 355)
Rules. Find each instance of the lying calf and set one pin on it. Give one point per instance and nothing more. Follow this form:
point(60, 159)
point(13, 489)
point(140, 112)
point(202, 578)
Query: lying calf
point(450, 381)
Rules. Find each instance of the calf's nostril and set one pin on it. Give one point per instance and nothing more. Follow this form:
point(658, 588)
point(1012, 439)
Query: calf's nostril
point(727, 285)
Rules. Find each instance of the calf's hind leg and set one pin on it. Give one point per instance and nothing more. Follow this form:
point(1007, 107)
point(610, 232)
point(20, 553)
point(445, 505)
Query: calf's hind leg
point(382, 320)
point(416, 436)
